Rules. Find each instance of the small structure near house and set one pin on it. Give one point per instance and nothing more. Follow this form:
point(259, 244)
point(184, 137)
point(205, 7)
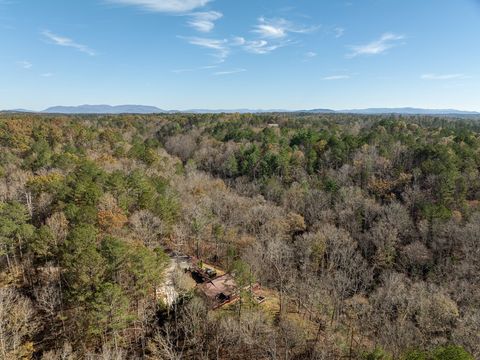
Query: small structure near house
point(272, 125)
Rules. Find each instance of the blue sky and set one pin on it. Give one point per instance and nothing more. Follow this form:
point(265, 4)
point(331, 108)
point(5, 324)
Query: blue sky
point(288, 54)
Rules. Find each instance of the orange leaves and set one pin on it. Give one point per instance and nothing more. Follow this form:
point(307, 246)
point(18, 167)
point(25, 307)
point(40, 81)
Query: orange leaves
point(384, 188)
point(110, 220)
point(380, 186)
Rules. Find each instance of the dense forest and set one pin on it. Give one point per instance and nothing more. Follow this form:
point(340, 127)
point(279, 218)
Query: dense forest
point(362, 231)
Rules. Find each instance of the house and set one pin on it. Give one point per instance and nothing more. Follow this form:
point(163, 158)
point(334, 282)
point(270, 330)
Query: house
point(217, 287)
point(224, 290)
point(220, 291)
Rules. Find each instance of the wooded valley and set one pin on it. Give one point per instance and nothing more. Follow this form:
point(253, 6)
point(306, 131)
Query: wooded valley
point(361, 231)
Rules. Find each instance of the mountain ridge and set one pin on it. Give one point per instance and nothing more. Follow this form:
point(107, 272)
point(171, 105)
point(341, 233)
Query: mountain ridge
point(103, 109)
point(145, 109)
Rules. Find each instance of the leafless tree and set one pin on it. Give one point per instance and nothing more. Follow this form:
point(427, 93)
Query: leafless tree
point(17, 322)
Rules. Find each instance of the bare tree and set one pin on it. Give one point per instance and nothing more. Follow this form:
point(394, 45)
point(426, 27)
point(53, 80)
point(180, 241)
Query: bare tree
point(17, 322)
point(147, 227)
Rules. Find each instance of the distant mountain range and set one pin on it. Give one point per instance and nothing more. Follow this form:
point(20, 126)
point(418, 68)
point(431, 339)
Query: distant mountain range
point(103, 109)
point(142, 109)
point(410, 111)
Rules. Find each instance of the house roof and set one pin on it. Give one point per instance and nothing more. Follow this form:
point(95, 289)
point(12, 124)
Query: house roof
point(222, 285)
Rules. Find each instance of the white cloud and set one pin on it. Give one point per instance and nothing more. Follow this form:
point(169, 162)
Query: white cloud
point(204, 21)
point(223, 47)
point(386, 41)
point(270, 31)
point(336, 77)
point(443, 76)
point(201, 21)
point(64, 41)
point(46, 75)
point(256, 46)
point(208, 43)
point(220, 46)
point(166, 6)
point(279, 28)
point(261, 46)
point(272, 34)
point(25, 64)
point(229, 72)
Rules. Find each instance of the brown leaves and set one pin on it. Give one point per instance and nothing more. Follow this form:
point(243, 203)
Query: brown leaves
point(110, 220)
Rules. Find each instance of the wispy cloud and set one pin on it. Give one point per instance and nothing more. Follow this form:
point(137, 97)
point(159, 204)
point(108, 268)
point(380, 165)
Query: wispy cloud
point(279, 28)
point(261, 46)
point(443, 76)
point(336, 77)
point(272, 35)
point(386, 41)
point(254, 46)
point(47, 75)
point(25, 64)
point(200, 21)
point(180, 71)
point(219, 46)
point(229, 72)
point(207, 43)
point(167, 6)
point(308, 56)
point(339, 31)
point(64, 41)
point(223, 47)
point(238, 41)
point(204, 21)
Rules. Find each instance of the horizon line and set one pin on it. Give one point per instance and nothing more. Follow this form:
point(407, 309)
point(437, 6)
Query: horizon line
point(253, 109)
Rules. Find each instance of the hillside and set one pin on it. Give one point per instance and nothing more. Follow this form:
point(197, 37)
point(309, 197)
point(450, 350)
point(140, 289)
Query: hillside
point(329, 236)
